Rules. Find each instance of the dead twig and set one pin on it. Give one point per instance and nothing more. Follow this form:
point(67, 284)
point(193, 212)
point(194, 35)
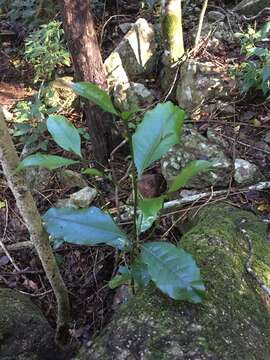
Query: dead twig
point(5, 250)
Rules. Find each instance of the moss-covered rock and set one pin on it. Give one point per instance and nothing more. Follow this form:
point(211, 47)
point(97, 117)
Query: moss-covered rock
point(232, 324)
point(24, 332)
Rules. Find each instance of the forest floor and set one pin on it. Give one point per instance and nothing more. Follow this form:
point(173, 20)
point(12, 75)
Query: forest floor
point(86, 271)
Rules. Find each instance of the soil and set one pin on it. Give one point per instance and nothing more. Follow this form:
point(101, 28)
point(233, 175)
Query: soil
point(86, 271)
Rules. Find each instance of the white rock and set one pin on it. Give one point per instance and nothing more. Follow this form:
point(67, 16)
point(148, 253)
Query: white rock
point(135, 56)
point(79, 199)
point(130, 95)
point(245, 172)
point(84, 197)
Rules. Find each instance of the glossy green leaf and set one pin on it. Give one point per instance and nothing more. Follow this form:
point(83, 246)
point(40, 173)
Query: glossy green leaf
point(149, 209)
point(49, 162)
point(89, 226)
point(95, 94)
point(192, 169)
point(266, 73)
point(140, 273)
point(159, 131)
point(64, 133)
point(174, 271)
point(93, 172)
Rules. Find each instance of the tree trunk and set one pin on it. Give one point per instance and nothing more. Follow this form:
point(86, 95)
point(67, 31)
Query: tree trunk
point(172, 32)
point(83, 45)
point(233, 323)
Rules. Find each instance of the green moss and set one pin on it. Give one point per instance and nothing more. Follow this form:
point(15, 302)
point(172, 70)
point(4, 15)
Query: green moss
point(232, 324)
point(172, 34)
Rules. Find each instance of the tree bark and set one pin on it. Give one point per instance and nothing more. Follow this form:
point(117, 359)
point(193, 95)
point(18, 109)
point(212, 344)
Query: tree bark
point(172, 32)
point(233, 322)
point(88, 66)
point(31, 217)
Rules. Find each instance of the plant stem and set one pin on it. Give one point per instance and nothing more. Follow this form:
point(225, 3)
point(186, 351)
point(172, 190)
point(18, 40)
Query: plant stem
point(198, 36)
point(135, 242)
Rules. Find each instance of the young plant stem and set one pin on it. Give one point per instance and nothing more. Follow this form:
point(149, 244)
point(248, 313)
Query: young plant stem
point(198, 35)
point(135, 242)
point(39, 238)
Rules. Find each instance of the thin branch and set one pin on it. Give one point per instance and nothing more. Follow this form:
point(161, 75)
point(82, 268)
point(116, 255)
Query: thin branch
point(198, 36)
point(19, 246)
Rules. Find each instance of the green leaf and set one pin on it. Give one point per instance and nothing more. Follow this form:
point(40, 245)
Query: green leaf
point(192, 169)
point(89, 226)
point(263, 32)
point(174, 271)
point(126, 115)
point(64, 133)
point(260, 52)
point(119, 280)
point(140, 273)
point(49, 162)
point(150, 208)
point(159, 131)
point(266, 73)
point(93, 172)
point(96, 95)
point(122, 278)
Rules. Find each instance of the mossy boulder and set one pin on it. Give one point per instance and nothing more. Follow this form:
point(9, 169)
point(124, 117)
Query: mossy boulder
point(233, 323)
point(24, 332)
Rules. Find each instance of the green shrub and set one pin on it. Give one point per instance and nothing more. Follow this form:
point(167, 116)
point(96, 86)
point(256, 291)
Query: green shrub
point(46, 49)
point(30, 124)
point(30, 13)
point(169, 267)
point(254, 72)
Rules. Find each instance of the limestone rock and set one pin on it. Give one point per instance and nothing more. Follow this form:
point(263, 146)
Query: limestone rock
point(246, 173)
point(24, 332)
point(134, 57)
point(37, 178)
point(69, 179)
point(215, 138)
point(128, 95)
point(201, 82)
point(251, 7)
point(79, 199)
point(194, 146)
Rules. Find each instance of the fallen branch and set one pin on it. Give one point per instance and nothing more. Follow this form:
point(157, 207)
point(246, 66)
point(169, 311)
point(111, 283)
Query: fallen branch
point(18, 246)
point(252, 18)
point(189, 199)
point(196, 197)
